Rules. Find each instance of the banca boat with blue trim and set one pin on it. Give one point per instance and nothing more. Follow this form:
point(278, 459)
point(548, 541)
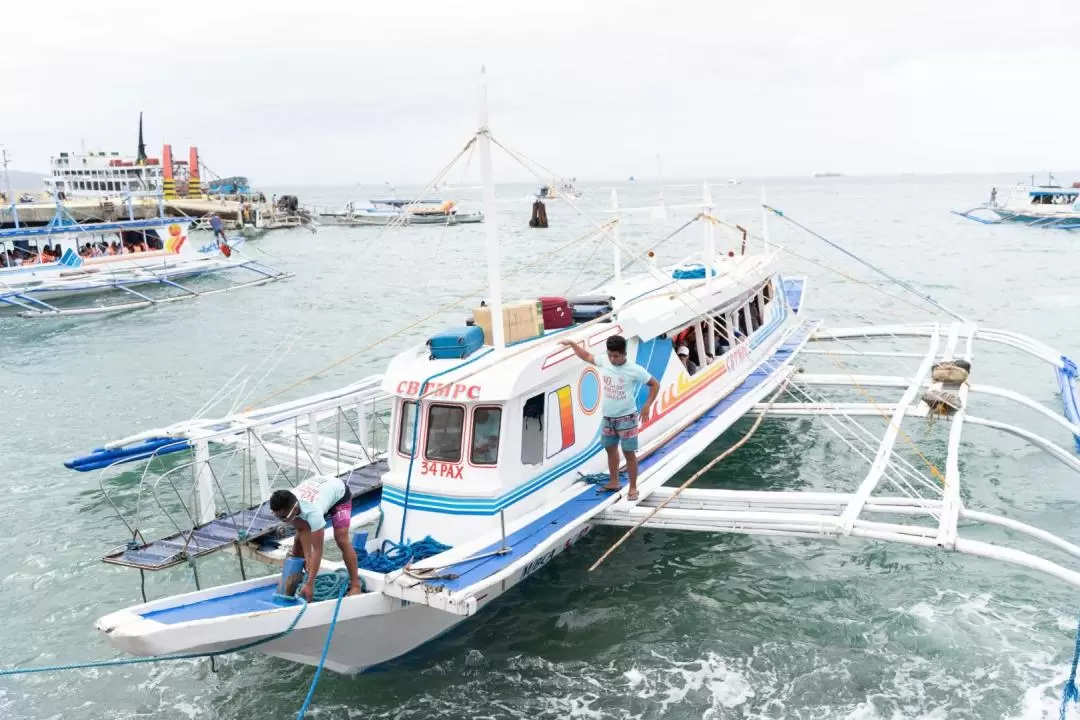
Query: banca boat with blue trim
point(112, 266)
point(1045, 206)
point(406, 444)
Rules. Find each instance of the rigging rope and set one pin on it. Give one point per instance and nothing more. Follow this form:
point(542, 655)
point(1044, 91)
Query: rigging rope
point(441, 309)
point(868, 264)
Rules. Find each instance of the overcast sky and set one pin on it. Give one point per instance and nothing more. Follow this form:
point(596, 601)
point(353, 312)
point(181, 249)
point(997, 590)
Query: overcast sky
point(326, 92)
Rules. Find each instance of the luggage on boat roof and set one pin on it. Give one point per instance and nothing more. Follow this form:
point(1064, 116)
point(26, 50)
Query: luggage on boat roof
point(584, 308)
point(557, 313)
point(585, 313)
point(455, 343)
point(591, 300)
point(522, 320)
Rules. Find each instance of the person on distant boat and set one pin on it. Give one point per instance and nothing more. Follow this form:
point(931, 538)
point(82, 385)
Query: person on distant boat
point(993, 196)
point(305, 507)
point(619, 426)
point(215, 225)
point(684, 357)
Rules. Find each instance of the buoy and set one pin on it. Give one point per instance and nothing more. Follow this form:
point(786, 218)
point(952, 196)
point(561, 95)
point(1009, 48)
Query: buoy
point(539, 215)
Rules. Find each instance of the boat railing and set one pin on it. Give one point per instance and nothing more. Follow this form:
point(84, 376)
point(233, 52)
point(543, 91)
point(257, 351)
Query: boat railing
point(236, 464)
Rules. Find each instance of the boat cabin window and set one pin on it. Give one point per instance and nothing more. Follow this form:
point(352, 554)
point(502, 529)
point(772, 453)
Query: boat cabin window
point(444, 430)
point(532, 431)
point(560, 421)
point(766, 292)
point(755, 313)
point(406, 427)
point(484, 448)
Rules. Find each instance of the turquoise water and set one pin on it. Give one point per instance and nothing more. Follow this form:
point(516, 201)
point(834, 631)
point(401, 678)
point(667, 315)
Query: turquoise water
point(673, 625)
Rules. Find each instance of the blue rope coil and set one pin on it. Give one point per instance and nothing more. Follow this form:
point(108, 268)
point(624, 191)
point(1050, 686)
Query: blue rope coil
point(394, 556)
point(603, 478)
point(1071, 693)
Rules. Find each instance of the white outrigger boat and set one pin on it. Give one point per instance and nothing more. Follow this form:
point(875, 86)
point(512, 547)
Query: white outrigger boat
point(405, 442)
point(1046, 206)
point(114, 266)
point(398, 212)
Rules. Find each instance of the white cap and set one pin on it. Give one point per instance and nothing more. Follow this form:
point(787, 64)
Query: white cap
point(683, 350)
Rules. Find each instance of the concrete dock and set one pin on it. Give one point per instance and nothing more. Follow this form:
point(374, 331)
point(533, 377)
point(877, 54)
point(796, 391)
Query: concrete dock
point(42, 210)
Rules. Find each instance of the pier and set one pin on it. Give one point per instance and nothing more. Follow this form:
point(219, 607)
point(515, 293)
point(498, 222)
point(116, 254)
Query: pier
point(44, 209)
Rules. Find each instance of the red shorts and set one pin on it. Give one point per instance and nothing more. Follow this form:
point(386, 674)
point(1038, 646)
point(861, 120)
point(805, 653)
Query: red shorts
point(341, 514)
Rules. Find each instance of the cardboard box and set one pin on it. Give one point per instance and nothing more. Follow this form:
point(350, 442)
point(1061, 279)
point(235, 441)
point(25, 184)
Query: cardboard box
point(521, 321)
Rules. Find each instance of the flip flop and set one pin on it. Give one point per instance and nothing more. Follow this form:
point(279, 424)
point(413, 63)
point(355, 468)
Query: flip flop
point(604, 489)
point(632, 497)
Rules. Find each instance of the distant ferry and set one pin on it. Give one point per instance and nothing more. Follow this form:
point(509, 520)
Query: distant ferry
point(828, 174)
point(109, 174)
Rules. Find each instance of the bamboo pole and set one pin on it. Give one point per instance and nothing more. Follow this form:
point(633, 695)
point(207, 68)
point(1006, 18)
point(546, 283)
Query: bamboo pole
point(712, 463)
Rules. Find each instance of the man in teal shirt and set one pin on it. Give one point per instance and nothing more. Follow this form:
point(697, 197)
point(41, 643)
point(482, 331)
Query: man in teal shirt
point(305, 507)
point(620, 383)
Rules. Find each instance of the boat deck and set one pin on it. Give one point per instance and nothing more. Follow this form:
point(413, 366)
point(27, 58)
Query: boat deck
point(258, 599)
point(246, 525)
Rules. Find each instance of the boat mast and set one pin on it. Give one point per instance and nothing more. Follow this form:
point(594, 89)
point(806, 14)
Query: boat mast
point(140, 159)
point(616, 253)
point(7, 176)
point(764, 222)
point(710, 238)
point(498, 339)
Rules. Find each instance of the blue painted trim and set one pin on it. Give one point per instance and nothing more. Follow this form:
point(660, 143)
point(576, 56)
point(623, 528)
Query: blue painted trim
point(1066, 377)
point(100, 457)
point(47, 231)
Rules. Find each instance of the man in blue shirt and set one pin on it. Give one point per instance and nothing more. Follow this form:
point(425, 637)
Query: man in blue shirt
point(619, 426)
point(215, 225)
point(305, 507)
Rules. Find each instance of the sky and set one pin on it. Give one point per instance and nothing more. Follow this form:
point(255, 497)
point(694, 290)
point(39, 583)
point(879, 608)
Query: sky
point(338, 93)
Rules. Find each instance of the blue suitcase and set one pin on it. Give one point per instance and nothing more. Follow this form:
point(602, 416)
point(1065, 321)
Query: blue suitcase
point(585, 313)
point(456, 343)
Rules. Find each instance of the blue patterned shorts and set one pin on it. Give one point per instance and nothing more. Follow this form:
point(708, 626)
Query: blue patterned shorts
point(620, 430)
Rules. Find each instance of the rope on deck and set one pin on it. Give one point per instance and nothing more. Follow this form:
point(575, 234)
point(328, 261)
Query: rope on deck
point(327, 586)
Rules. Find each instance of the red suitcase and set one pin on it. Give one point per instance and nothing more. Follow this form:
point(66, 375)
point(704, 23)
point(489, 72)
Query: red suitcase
point(557, 313)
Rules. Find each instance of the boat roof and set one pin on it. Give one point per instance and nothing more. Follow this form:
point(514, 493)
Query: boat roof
point(649, 309)
point(399, 203)
point(1046, 190)
point(50, 230)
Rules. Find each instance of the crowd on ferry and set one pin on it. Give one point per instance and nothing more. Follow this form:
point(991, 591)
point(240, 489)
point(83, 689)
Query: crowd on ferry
point(138, 243)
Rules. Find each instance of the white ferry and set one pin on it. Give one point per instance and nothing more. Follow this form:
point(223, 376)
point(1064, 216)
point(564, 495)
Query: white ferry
point(108, 174)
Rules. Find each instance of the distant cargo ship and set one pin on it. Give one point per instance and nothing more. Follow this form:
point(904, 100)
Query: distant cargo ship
point(828, 174)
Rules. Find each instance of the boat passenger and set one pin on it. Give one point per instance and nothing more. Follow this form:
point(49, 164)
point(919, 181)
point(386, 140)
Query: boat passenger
point(485, 448)
point(305, 507)
point(684, 357)
point(621, 381)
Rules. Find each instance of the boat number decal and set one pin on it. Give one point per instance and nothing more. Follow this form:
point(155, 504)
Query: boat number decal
point(538, 563)
point(442, 390)
point(441, 469)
